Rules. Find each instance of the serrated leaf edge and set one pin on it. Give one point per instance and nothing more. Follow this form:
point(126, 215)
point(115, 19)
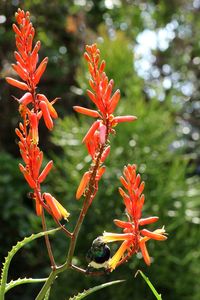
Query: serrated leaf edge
point(24, 280)
point(12, 252)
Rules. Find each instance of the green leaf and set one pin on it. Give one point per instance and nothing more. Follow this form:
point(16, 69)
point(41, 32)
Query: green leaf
point(158, 296)
point(85, 293)
point(19, 245)
point(19, 281)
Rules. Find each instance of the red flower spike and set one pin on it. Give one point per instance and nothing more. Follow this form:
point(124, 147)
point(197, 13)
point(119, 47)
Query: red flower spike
point(134, 238)
point(31, 107)
point(105, 102)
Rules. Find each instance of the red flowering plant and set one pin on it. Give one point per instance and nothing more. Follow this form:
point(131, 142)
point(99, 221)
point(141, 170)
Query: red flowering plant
point(134, 238)
point(33, 107)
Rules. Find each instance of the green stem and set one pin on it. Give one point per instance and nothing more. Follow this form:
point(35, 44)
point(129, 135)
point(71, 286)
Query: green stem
point(2, 290)
point(47, 241)
point(158, 296)
point(47, 285)
point(84, 209)
point(74, 236)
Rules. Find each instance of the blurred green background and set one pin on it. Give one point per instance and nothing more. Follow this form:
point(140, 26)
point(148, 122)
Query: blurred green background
point(152, 50)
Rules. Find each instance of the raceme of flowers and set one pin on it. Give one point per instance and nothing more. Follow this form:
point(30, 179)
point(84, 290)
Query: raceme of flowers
point(134, 238)
point(102, 96)
point(33, 107)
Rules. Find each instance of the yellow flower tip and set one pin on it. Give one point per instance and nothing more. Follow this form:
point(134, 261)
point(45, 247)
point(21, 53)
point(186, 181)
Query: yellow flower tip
point(162, 232)
point(109, 237)
point(118, 255)
point(112, 265)
point(65, 214)
point(57, 210)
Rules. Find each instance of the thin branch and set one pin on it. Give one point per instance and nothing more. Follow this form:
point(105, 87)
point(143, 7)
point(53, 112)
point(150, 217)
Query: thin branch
point(86, 205)
point(90, 273)
point(47, 241)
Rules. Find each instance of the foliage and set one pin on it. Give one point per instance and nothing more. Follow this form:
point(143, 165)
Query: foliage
point(4, 286)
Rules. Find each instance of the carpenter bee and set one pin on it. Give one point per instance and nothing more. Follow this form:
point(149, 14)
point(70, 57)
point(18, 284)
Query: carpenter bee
point(98, 256)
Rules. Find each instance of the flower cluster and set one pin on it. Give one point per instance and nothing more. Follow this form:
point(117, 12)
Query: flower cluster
point(96, 139)
point(134, 238)
point(33, 107)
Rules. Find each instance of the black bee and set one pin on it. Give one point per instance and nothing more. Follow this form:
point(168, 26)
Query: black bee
point(98, 256)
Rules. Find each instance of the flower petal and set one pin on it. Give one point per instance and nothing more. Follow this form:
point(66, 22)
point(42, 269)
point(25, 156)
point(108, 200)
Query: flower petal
point(145, 253)
point(118, 255)
point(109, 237)
point(86, 111)
point(153, 235)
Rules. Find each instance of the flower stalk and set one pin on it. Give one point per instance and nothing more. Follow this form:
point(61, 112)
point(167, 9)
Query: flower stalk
point(32, 108)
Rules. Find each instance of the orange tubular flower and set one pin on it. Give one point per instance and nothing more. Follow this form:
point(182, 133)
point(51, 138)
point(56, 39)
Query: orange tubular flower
point(134, 238)
point(31, 107)
point(57, 210)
